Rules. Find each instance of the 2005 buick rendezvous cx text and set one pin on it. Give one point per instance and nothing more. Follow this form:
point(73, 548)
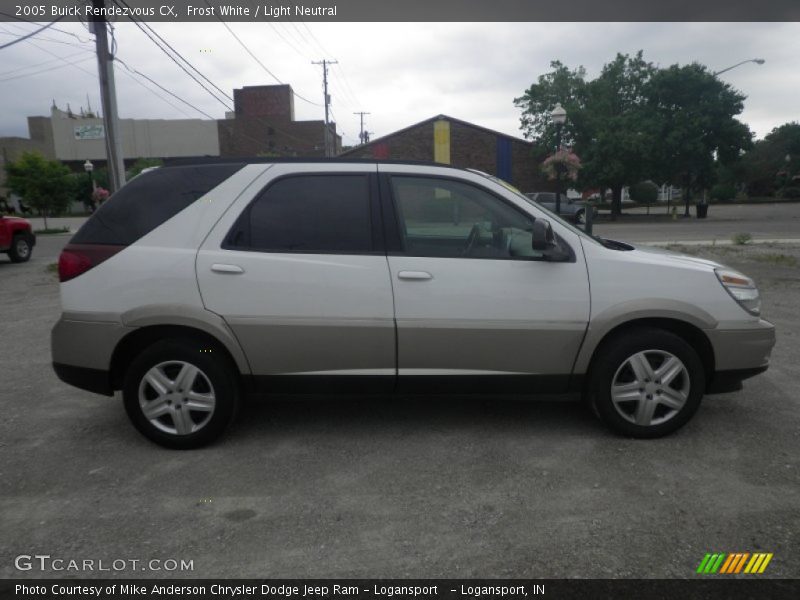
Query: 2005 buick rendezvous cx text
point(194, 285)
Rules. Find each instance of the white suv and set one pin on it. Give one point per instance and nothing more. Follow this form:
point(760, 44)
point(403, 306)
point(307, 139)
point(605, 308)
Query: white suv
point(194, 285)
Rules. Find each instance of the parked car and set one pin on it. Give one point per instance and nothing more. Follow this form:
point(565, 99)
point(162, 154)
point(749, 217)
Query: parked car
point(16, 238)
point(572, 208)
point(195, 285)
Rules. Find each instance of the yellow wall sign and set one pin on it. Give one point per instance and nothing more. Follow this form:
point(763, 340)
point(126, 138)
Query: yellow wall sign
point(441, 142)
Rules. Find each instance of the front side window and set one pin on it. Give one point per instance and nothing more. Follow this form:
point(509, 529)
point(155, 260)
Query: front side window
point(307, 214)
point(452, 219)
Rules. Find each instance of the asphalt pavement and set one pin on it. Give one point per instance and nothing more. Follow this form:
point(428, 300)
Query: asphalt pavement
point(395, 486)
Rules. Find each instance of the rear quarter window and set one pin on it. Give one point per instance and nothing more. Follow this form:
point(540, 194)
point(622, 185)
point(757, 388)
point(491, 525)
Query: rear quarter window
point(149, 200)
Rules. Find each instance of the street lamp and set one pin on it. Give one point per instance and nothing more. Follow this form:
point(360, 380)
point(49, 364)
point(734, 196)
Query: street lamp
point(758, 61)
point(89, 167)
point(559, 117)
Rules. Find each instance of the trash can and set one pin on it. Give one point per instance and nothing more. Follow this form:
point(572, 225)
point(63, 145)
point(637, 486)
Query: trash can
point(702, 210)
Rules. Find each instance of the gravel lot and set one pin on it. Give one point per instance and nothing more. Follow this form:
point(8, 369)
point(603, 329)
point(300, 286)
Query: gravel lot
point(397, 487)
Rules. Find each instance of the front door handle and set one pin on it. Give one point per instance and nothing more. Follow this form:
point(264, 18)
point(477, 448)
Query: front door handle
point(415, 275)
point(222, 268)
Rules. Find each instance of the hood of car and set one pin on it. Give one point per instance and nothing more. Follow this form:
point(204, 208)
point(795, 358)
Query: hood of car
point(665, 256)
point(14, 219)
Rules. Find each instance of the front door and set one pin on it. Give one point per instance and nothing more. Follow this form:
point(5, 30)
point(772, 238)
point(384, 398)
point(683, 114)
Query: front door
point(475, 305)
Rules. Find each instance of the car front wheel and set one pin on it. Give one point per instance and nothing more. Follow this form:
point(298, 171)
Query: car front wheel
point(180, 393)
point(20, 250)
point(647, 383)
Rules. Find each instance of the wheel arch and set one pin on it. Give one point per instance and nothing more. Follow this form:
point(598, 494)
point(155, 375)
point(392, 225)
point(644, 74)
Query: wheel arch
point(690, 333)
point(142, 337)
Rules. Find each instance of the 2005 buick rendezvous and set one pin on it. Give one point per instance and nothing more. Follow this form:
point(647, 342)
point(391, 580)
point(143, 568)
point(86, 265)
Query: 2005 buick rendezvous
point(194, 285)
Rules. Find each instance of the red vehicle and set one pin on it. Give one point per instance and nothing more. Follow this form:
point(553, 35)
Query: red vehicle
point(16, 238)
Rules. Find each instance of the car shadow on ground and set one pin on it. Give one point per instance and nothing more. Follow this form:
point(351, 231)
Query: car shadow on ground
point(402, 413)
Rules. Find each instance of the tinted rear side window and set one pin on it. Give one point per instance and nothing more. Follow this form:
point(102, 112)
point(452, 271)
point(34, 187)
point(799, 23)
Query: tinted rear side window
point(307, 214)
point(148, 201)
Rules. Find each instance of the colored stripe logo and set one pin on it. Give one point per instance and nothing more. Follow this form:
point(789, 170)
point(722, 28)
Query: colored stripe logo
point(734, 562)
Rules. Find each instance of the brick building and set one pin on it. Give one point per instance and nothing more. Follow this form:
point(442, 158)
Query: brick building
point(263, 123)
point(459, 143)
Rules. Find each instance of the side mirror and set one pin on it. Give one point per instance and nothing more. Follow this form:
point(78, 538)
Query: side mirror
point(544, 240)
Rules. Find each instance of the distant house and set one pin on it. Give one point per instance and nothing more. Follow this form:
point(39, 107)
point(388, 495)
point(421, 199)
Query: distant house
point(455, 142)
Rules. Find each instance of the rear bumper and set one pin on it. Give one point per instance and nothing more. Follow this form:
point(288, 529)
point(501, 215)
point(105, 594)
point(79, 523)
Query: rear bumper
point(91, 380)
point(81, 352)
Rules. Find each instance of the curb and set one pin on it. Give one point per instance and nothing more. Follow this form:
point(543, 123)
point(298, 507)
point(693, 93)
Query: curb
point(717, 242)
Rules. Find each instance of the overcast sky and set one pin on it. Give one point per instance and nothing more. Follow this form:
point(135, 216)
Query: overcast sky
point(401, 73)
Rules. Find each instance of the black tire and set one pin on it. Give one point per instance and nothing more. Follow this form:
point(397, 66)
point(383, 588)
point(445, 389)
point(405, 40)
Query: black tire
point(216, 373)
point(21, 249)
point(579, 217)
point(612, 361)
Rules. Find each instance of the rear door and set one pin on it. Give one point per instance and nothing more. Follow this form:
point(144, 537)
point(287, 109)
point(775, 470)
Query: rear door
point(299, 272)
point(477, 308)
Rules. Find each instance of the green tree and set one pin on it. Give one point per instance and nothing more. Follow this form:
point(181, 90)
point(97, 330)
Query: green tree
point(560, 86)
point(45, 185)
point(606, 124)
point(617, 136)
point(764, 168)
point(693, 115)
point(644, 192)
point(141, 164)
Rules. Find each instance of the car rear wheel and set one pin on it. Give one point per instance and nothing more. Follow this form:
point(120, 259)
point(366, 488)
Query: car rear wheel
point(20, 250)
point(647, 383)
point(579, 217)
point(181, 393)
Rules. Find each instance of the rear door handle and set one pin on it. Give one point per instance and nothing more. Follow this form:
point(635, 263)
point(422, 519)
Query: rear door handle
point(415, 275)
point(221, 268)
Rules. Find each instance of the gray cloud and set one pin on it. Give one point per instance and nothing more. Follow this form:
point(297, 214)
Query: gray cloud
point(400, 72)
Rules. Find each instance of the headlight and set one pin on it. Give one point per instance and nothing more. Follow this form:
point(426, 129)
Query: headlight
point(741, 288)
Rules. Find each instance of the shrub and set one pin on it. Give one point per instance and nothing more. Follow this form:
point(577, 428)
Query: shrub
point(790, 192)
point(644, 192)
point(723, 192)
point(741, 239)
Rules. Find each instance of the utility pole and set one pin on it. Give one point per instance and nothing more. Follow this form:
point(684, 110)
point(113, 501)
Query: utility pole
point(364, 135)
point(108, 99)
point(325, 63)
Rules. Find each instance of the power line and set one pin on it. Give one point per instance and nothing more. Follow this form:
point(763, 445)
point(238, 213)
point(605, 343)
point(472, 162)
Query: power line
point(67, 63)
point(40, 64)
point(261, 64)
point(75, 35)
point(31, 34)
point(161, 87)
point(150, 37)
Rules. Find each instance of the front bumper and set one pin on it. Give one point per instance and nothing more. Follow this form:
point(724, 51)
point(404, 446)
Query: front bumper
point(739, 354)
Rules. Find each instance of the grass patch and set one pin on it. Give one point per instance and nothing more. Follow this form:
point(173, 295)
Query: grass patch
point(776, 258)
point(741, 239)
point(52, 268)
point(51, 230)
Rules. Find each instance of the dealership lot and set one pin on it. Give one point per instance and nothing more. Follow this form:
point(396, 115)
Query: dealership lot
point(402, 487)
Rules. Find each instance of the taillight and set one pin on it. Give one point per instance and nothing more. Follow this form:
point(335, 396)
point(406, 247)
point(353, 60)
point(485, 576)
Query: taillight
point(76, 259)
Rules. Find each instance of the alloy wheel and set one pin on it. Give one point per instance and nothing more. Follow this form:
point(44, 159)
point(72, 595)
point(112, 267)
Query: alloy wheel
point(650, 387)
point(176, 397)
